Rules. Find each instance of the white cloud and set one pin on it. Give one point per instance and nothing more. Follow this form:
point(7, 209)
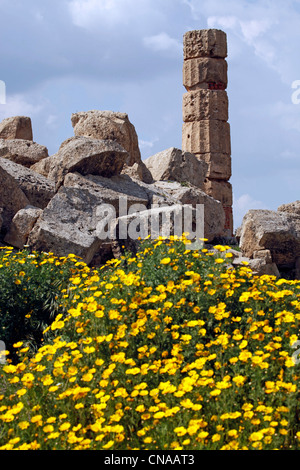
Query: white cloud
point(88, 12)
point(226, 22)
point(147, 144)
point(163, 42)
point(247, 30)
point(271, 29)
point(97, 14)
point(52, 120)
point(252, 29)
point(18, 105)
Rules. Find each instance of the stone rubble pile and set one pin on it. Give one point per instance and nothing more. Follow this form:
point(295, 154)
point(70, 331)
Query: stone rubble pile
point(57, 203)
point(51, 203)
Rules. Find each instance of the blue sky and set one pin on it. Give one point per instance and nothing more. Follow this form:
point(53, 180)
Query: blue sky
point(64, 56)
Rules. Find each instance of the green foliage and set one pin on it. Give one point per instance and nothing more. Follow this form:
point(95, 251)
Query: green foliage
point(31, 296)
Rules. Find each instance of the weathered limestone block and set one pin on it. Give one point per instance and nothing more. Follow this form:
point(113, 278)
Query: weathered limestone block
point(204, 70)
point(258, 266)
point(23, 152)
point(108, 125)
point(209, 136)
point(200, 105)
point(12, 198)
point(68, 225)
point(205, 43)
point(218, 165)
point(263, 254)
point(38, 189)
point(115, 190)
point(174, 165)
point(292, 207)
point(22, 224)
point(214, 217)
point(219, 190)
point(85, 156)
point(138, 171)
point(276, 231)
point(166, 221)
point(17, 127)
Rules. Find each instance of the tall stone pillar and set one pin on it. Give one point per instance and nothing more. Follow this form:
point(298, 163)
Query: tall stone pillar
point(206, 132)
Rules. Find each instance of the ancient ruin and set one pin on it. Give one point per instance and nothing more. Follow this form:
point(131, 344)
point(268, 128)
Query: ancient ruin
point(50, 203)
point(206, 132)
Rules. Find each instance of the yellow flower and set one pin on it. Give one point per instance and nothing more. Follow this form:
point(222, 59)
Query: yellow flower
point(233, 433)
point(239, 380)
point(108, 445)
point(65, 426)
point(140, 408)
point(256, 436)
point(23, 424)
point(48, 428)
point(165, 261)
point(180, 431)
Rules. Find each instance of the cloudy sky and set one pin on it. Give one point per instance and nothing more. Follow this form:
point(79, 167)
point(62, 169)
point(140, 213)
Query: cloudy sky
point(63, 56)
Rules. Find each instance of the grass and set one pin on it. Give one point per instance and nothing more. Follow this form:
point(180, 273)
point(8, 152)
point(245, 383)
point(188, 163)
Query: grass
point(170, 349)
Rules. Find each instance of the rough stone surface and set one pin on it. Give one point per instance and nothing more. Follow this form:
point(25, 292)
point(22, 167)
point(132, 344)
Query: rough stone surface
point(263, 254)
point(220, 190)
point(108, 125)
point(218, 165)
point(138, 171)
point(292, 207)
point(69, 222)
point(200, 105)
point(115, 190)
point(214, 217)
point(159, 221)
point(38, 189)
point(210, 136)
point(16, 127)
point(228, 227)
point(68, 225)
point(12, 198)
point(205, 43)
point(278, 232)
point(23, 152)
point(22, 224)
point(174, 165)
point(259, 266)
point(205, 70)
point(85, 156)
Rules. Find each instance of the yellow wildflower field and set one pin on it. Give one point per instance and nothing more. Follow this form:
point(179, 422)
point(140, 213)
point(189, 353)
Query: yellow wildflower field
point(168, 349)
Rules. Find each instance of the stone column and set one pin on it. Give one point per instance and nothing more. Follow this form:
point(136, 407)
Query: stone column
point(206, 132)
